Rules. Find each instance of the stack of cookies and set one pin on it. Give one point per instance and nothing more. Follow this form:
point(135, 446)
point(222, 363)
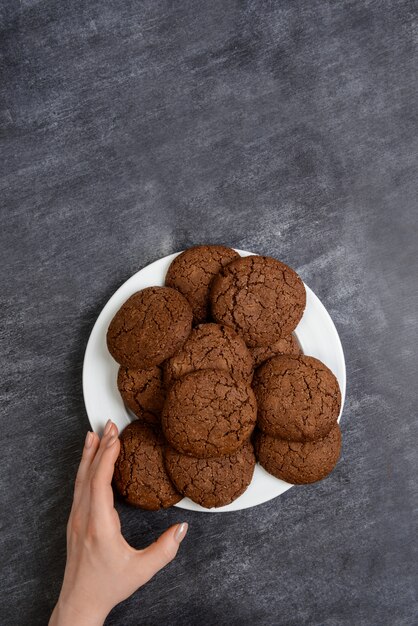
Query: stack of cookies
point(203, 361)
point(298, 401)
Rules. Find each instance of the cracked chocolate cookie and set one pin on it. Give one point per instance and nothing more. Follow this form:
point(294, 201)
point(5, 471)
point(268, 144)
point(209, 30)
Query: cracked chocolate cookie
point(211, 482)
point(143, 392)
point(140, 475)
point(207, 413)
point(211, 346)
point(149, 328)
point(299, 462)
point(298, 398)
point(286, 345)
point(260, 297)
point(192, 272)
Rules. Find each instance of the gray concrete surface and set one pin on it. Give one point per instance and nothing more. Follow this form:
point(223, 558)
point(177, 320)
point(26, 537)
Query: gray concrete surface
point(130, 130)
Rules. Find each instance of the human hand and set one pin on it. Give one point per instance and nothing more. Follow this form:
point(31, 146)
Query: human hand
point(102, 569)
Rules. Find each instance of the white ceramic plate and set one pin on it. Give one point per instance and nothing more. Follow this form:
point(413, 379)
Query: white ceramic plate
point(316, 334)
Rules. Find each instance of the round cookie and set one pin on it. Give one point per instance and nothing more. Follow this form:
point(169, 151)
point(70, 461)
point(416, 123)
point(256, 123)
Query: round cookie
point(286, 345)
point(211, 482)
point(192, 272)
point(143, 392)
point(299, 462)
point(298, 398)
point(207, 414)
point(140, 475)
point(211, 346)
point(260, 297)
point(149, 328)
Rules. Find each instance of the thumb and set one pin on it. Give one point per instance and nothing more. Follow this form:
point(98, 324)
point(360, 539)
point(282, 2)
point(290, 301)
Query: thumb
point(161, 552)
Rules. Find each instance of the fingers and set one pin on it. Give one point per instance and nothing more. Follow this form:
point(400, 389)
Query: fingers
point(110, 430)
point(102, 473)
point(91, 445)
point(160, 553)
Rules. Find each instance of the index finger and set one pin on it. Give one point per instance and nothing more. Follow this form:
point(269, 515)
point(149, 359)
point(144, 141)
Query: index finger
point(101, 478)
point(90, 447)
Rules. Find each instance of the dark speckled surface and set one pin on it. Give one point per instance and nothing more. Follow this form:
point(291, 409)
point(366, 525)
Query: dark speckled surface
point(130, 130)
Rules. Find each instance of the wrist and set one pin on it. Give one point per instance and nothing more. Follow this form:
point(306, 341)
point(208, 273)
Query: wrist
point(67, 613)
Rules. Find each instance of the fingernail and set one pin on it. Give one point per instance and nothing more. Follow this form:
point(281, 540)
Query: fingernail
point(89, 440)
point(111, 441)
point(107, 427)
point(181, 531)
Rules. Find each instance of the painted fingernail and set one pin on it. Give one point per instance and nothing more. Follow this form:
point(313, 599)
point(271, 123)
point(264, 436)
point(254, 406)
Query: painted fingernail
point(111, 441)
point(181, 531)
point(89, 440)
point(107, 428)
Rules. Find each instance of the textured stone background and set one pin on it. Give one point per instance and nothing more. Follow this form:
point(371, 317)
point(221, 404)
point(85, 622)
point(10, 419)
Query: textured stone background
point(130, 130)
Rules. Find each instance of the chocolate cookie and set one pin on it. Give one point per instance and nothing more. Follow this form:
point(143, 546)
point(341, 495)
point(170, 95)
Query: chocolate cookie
point(192, 272)
point(140, 475)
point(212, 482)
point(299, 462)
point(286, 345)
point(207, 413)
point(143, 392)
point(260, 297)
point(298, 398)
point(149, 328)
point(211, 346)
